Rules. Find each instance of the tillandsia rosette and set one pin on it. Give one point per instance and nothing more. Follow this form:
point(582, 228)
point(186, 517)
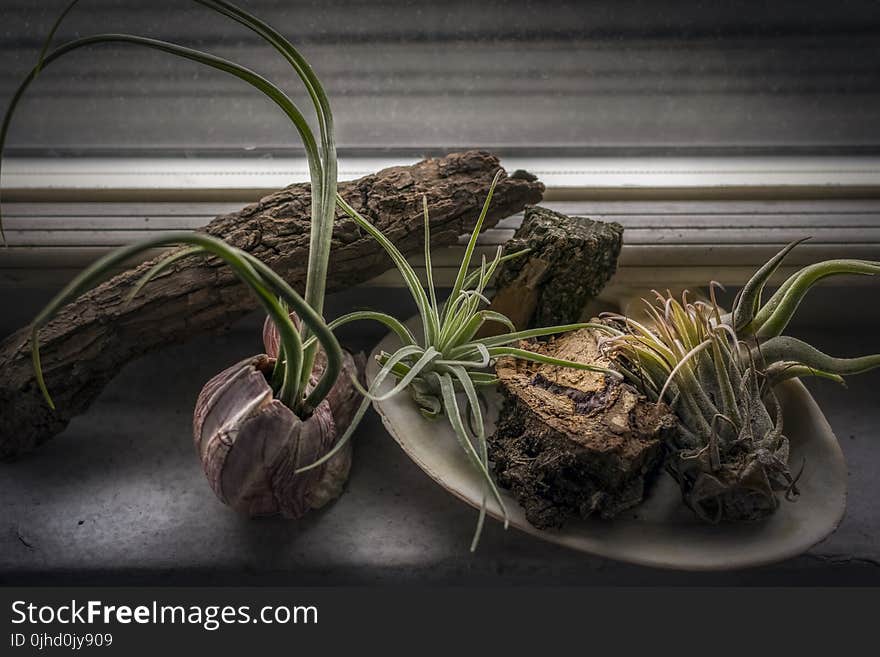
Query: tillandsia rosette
point(718, 371)
point(444, 365)
point(260, 424)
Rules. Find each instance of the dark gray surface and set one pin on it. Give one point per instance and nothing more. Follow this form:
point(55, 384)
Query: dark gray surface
point(119, 497)
point(650, 75)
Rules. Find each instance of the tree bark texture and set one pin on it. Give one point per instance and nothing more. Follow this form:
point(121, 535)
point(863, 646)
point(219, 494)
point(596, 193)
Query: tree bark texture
point(570, 260)
point(573, 442)
point(92, 338)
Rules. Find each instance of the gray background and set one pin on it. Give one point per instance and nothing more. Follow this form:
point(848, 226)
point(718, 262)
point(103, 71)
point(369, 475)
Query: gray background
point(608, 76)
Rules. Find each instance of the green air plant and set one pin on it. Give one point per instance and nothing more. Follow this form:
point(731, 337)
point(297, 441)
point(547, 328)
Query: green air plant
point(251, 427)
point(445, 368)
point(718, 372)
point(283, 404)
point(321, 157)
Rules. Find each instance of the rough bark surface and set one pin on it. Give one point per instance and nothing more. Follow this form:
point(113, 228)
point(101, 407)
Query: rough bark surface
point(92, 338)
point(569, 262)
point(572, 442)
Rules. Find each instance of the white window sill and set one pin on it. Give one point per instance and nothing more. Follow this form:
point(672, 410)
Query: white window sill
point(28, 179)
point(687, 220)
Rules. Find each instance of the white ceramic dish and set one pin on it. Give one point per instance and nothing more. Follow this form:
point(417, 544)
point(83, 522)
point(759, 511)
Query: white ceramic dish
point(660, 532)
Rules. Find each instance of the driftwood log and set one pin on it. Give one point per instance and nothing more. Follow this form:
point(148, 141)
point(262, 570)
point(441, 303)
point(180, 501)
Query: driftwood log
point(91, 339)
point(570, 260)
point(572, 442)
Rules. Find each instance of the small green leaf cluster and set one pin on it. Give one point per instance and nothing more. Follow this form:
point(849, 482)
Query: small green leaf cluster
point(446, 365)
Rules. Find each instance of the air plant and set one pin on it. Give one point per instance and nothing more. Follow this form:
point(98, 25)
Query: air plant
point(255, 422)
point(446, 367)
point(259, 421)
point(718, 372)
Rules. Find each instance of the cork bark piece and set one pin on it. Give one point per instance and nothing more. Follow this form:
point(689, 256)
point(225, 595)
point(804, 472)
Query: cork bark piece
point(570, 260)
point(572, 442)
